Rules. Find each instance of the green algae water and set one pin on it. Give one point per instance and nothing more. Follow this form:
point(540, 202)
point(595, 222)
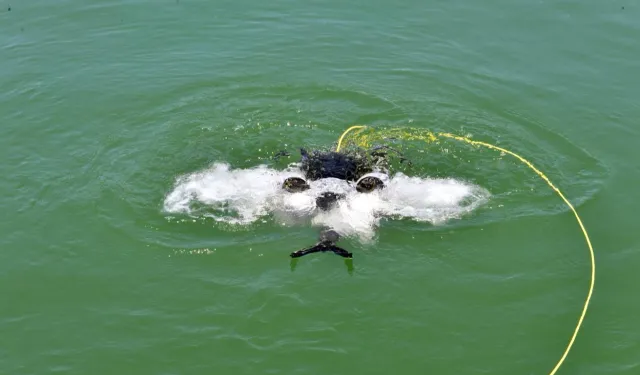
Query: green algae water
point(137, 150)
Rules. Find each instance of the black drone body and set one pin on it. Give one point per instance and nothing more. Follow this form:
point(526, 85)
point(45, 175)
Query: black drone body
point(344, 166)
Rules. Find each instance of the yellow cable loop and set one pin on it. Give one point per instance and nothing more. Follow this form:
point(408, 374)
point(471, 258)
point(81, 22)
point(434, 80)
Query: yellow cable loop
point(546, 179)
point(345, 133)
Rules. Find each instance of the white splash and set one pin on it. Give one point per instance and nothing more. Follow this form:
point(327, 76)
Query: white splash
point(242, 196)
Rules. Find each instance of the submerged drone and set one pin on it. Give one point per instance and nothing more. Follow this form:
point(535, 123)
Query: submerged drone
point(368, 171)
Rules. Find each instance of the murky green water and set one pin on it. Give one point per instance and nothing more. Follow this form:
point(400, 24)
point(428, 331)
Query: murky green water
point(105, 105)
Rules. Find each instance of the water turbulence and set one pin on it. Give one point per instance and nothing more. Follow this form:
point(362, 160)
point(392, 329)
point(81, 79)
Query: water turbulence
point(244, 196)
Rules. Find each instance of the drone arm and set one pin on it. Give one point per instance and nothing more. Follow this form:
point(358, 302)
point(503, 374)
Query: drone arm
point(309, 250)
point(340, 251)
point(322, 247)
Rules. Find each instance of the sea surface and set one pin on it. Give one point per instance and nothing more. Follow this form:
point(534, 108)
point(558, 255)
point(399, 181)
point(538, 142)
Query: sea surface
point(143, 230)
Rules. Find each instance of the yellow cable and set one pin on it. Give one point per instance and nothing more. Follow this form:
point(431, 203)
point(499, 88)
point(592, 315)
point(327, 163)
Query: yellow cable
point(546, 179)
point(345, 133)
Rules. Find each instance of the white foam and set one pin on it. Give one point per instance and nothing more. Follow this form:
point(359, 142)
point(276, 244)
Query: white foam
point(236, 196)
point(242, 196)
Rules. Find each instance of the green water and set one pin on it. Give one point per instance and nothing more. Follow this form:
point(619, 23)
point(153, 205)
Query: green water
point(104, 104)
